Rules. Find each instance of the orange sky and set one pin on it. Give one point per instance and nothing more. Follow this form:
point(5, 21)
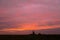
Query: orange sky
point(33, 26)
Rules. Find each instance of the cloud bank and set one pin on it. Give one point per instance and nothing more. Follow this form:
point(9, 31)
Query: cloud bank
point(29, 14)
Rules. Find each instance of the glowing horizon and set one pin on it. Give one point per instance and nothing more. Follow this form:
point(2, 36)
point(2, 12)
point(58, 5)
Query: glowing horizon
point(29, 27)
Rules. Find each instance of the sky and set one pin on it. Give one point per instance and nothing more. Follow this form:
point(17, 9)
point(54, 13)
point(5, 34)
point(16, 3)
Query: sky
point(23, 16)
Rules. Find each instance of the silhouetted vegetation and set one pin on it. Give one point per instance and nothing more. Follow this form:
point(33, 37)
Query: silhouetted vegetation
point(32, 36)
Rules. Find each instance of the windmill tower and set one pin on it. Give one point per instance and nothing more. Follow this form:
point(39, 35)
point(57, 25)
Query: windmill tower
point(33, 33)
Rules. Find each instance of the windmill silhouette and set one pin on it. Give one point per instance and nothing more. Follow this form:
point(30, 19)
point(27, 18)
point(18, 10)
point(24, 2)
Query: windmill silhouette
point(33, 33)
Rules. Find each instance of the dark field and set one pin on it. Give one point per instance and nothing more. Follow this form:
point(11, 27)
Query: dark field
point(30, 37)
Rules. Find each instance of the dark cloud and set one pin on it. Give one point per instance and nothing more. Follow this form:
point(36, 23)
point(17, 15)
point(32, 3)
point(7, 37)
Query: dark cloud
point(50, 23)
point(53, 23)
point(4, 18)
point(5, 25)
point(9, 24)
point(49, 31)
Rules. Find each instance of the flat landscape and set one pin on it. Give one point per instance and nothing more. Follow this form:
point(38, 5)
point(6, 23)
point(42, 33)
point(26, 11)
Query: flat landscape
point(30, 37)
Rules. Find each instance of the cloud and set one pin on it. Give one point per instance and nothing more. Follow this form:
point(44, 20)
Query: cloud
point(49, 31)
point(14, 13)
point(53, 23)
point(49, 23)
point(2, 18)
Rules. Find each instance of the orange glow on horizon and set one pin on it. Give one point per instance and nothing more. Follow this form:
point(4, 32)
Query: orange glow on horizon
point(28, 27)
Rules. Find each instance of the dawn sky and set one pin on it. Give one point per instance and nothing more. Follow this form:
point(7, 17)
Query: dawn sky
point(25, 15)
